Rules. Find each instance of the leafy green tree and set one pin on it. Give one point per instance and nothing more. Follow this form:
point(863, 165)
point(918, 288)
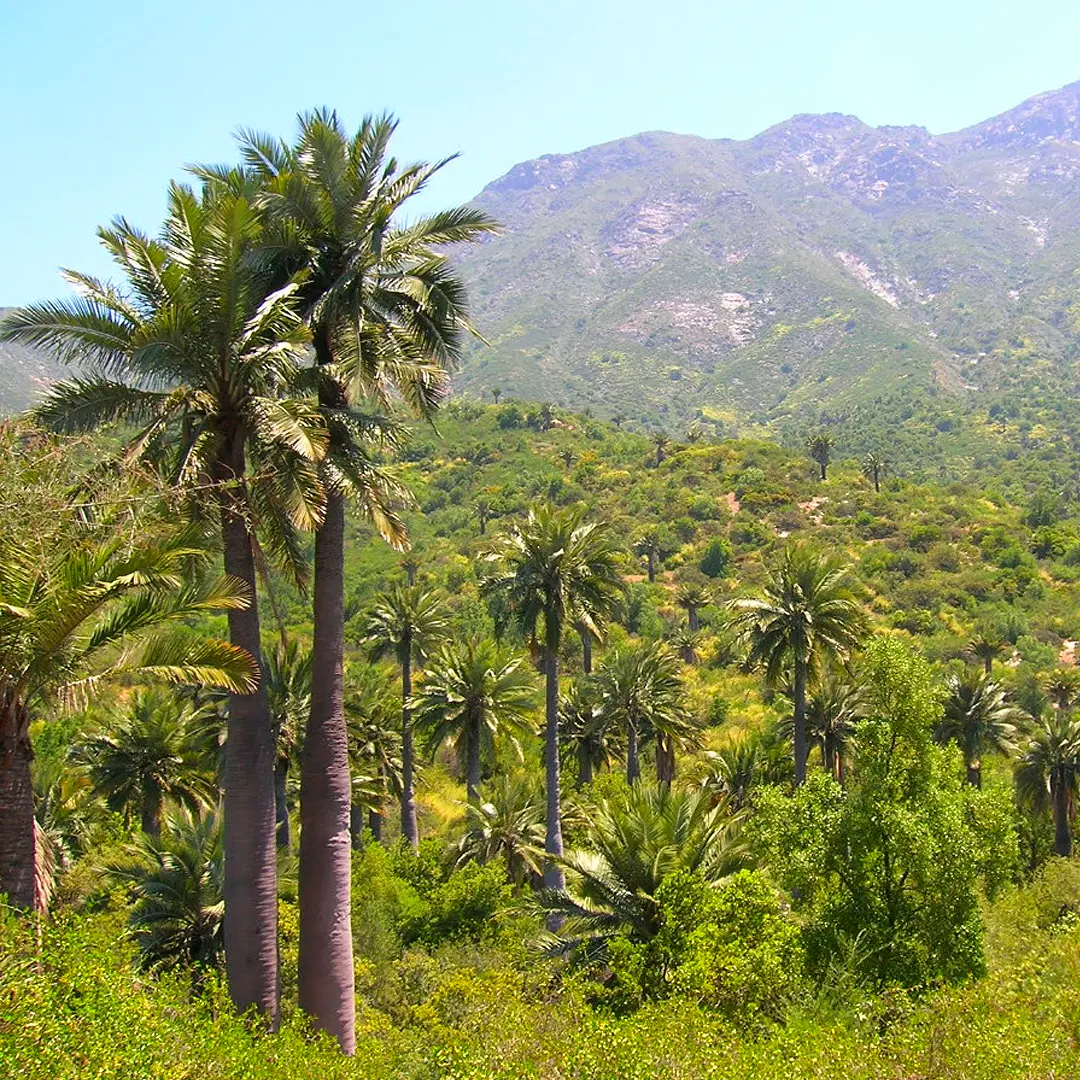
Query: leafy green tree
point(978, 717)
point(201, 353)
point(634, 842)
point(806, 616)
point(641, 692)
point(554, 571)
point(407, 623)
point(1047, 773)
point(387, 311)
point(874, 468)
point(153, 752)
point(820, 447)
point(473, 696)
point(716, 558)
point(177, 880)
point(509, 825)
point(687, 643)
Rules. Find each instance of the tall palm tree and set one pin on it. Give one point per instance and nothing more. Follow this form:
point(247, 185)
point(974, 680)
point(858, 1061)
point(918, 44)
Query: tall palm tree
point(553, 571)
point(407, 623)
point(806, 616)
point(692, 596)
point(472, 696)
point(641, 692)
point(874, 467)
point(508, 826)
point(201, 352)
point(152, 752)
point(591, 736)
point(177, 880)
point(287, 675)
point(81, 613)
point(634, 843)
point(820, 447)
point(978, 717)
point(387, 313)
point(1048, 770)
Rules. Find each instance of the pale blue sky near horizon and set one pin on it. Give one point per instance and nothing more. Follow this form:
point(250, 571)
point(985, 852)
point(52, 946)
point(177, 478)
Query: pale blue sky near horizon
point(101, 105)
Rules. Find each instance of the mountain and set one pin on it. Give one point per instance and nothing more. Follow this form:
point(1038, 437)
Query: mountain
point(820, 265)
point(23, 374)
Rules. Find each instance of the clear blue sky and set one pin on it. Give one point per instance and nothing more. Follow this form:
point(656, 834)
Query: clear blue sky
point(101, 104)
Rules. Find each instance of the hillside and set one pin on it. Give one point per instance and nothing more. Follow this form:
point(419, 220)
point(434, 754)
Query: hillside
point(816, 267)
point(23, 372)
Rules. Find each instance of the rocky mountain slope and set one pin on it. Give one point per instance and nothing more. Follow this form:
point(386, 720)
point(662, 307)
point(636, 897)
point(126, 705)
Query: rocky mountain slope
point(820, 264)
point(23, 373)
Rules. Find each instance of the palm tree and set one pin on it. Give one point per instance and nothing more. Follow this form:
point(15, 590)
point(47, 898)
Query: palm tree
point(482, 510)
point(201, 354)
point(806, 616)
point(407, 623)
point(554, 571)
point(833, 709)
point(371, 715)
point(692, 597)
point(152, 752)
point(82, 612)
point(820, 448)
point(566, 456)
point(387, 314)
point(287, 675)
point(978, 717)
point(650, 545)
point(687, 643)
point(508, 826)
point(660, 443)
point(586, 731)
point(874, 467)
point(69, 814)
point(986, 647)
point(472, 696)
point(496, 393)
point(733, 771)
point(177, 880)
point(634, 842)
point(1062, 685)
point(641, 692)
point(1047, 772)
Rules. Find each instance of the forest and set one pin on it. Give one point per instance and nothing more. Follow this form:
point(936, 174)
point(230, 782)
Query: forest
point(350, 726)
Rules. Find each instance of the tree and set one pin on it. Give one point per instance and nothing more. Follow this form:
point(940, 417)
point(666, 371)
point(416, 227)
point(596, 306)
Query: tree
point(806, 616)
point(407, 623)
point(660, 443)
point(820, 447)
point(287, 675)
point(154, 751)
point(733, 771)
point(833, 710)
point(650, 544)
point(482, 510)
point(201, 354)
point(387, 311)
point(978, 717)
point(717, 557)
point(874, 468)
point(508, 826)
point(1047, 773)
point(177, 880)
point(687, 642)
point(566, 456)
point(641, 692)
point(81, 612)
point(692, 596)
point(586, 731)
point(552, 572)
point(634, 842)
point(496, 393)
point(372, 715)
point(471, 697)
point(986, 647)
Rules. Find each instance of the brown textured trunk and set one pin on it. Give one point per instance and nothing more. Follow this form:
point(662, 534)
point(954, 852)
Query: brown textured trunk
point(823, 466)
point(988, 665)
point(151, 814)
point(553, 872)
point(651, 566)
point(586, 650)
point(633, 761)
point(375, 823)
point(692, 619)
point(326, 990)
point(472, 762)
point(801, 748)
point(665, 760)
point(251, 946)
point(974, 773)
point(877, 483)
point(585, 769)
point(281, 804)
point(1062, 829)
point(408, 792)
point(18, 842)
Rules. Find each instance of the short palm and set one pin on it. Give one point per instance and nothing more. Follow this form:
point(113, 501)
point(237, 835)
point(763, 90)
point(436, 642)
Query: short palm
point(508, 825)
point(978, 718)
point(1048, 772)
point(584, 730)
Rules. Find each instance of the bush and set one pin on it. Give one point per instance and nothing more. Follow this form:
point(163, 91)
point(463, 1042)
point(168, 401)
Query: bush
point(716, 558)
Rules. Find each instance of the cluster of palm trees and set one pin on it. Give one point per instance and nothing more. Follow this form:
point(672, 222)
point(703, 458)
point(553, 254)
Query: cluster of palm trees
point(257, 347)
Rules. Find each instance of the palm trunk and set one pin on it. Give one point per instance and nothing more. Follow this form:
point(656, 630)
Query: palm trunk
point(356, 827)
point(633, 762)
point(585, 770)
point(665, 761)
point(974, 773)
point(326, 990)
point(877, 483)
point(586, 650)
point(800, 725)
point(18, 842)
point(1062, 830)
point(553, 873)
point(988, 664)
point(408, 794)
point(375, 821)
point(692, 619)
point(151, 814)
point(472, 762)
point(651, 566)
point(281, 804)
point(824, 467)
point(250, 889)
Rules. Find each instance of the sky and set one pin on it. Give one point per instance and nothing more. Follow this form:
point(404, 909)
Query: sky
point(102, 104)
